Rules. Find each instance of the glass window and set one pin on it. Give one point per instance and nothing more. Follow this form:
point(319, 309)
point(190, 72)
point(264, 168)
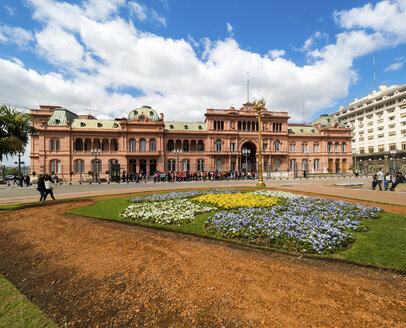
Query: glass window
point(277, 145)
point(219, 145)
point(132, 145)
point(143, 145)
point(219, 165)
point(152, 145)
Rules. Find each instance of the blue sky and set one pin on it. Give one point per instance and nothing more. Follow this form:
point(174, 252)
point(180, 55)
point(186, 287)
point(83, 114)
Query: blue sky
point(182, 57)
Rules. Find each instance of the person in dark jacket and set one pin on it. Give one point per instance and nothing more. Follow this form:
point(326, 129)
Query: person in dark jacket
point(41, 188)
point(399, 178)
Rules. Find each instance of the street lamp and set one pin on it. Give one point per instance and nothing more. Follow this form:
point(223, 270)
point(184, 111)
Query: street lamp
point(96, 152)
point(177, 152)
point(355, 162)
point(307, 153)
point(246, 152)
point(259, 107)
point(393, 153)
point(19, 164)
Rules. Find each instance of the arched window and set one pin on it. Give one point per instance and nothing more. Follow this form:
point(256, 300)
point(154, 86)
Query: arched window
point(55, 166)
point(219, 165)
point(219, 145)
point(52, 144)
point(343, 147)
point(244, 125)
point(143, 145)
point(79, 144)
point(200, 145)
point(105, 144)
point(152, 145)
point(186, 145)
point(329, 147)
point(316, 164)
point(170, 145)
point(336, 147)
point(132, 145)
point(88, 144)
point(239, 125)
point(277, 145)
point(114, 145)
point(79, 165)
point(248, 126)
point(57, 144)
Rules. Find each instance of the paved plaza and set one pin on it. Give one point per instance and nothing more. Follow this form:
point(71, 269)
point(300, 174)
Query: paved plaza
point(326, 186)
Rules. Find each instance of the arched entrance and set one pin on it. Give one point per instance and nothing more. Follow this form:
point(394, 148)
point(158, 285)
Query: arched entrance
point(248, 157)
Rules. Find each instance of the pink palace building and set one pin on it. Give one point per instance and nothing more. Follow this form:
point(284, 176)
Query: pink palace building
point(71, 145)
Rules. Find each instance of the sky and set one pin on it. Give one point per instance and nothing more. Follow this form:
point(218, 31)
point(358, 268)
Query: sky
point(182, 57)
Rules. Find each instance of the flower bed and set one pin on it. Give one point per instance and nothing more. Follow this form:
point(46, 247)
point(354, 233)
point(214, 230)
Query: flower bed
point(271, 218)
point(349, 184)
point(230, 201)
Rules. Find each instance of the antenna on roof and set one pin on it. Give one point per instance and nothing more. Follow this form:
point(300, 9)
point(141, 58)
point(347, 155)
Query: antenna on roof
point(248, 87)
point(373, 58)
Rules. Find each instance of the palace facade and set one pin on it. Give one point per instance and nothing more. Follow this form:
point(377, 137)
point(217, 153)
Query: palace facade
point(71, 145)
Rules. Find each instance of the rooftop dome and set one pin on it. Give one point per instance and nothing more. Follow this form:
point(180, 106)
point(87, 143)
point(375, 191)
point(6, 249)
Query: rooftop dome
point(145, 111)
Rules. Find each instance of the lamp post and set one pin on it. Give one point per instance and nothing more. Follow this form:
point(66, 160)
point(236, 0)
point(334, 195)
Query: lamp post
point(96, 152)
point(246, 152)
point(259, 107)
point(393, 153)
point(19, 164)
point(177, 152)
point(307, 153)
point(355, 163)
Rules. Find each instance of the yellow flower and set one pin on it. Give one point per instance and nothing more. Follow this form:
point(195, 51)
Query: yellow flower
point(229, 201)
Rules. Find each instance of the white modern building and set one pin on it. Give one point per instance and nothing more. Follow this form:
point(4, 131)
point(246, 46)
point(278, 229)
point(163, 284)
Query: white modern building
point(378, 123)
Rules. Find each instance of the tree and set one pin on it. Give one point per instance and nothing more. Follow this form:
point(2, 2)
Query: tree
point(15, 130)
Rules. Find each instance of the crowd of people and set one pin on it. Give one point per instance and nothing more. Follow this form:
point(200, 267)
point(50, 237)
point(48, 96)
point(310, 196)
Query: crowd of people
point(389, 181)
point(187, 176)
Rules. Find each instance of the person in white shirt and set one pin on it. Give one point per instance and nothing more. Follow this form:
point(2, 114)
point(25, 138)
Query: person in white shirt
point(49, 188)
point(380, 178)
point(388, 179)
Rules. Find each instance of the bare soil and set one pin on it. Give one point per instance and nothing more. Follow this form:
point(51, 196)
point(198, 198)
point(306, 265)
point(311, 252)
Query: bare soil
point(91, 273)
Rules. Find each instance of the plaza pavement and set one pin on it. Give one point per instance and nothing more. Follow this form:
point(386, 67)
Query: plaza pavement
point(325, 186)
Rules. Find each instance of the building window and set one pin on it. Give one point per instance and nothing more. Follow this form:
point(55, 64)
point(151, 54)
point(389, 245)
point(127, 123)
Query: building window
point(265, 147)
point(329, 147)
point(96, 165)
point(200, 145)
point(143, 145)
point(52, 145)
point(152, 145)
point(292, 148)
point(277, 145)
point(381, 148)
point(200, 164)
point(186, 145)
point(343, 147)
point(316, 164)
point(316, 148)
point(55, 166)
point(392, 147)
point(292, 164)
point(79, 166)
point(186, 165)
point(132, 145)
point(171, 165)
point(219, 165)
point(336, 147)
point(304, 147)
point(370, 150)
point(277, 164)
point(218, 145)
point(79, 144)
point(232, 146)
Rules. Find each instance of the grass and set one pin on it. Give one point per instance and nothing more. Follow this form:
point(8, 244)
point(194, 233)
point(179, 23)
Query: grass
point(383, 245)
point(17, 311)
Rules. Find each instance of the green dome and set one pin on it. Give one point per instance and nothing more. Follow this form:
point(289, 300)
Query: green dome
point(145, 111)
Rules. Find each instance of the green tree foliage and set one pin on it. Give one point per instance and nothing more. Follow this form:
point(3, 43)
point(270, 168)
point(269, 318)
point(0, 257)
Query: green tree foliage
point(15, 130)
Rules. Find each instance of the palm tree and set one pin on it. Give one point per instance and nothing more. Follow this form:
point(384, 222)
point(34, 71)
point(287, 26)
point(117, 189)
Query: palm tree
point(15, 130)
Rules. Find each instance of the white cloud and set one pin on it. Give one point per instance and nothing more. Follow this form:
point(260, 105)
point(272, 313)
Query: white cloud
point(229, 28)
point(394, 67)
point(143, 13)
point(15, 35)
point(10, 10)
point(17, 61)
point(276, 53)
point(387, 16)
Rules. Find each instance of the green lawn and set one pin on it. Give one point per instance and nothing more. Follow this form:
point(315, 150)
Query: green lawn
point(17, 311)
point(383, 245)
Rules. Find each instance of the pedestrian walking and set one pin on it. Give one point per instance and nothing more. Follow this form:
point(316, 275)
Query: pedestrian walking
point(49, 188)
point(380, 177)
point(27, 180)
point(41, 188)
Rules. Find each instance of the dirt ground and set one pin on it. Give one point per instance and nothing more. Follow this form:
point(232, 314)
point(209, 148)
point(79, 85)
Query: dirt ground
point(91, 273)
